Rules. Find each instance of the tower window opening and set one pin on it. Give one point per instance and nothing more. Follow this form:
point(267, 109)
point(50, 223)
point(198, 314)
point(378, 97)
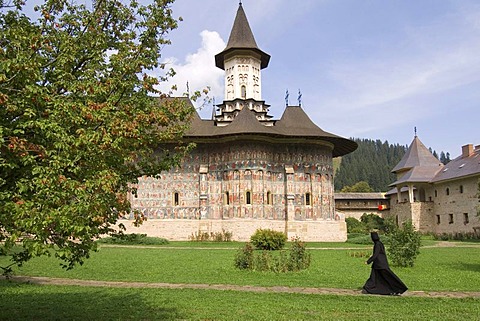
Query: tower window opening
point(269, 198)
point(308, 199)
point(244, 92)
point(248, 198)
point(176, 199)
point(227, 198)
point(465, 218)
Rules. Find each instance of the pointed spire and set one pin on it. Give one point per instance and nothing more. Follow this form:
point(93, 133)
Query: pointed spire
point(417, 155)
point(241, 37)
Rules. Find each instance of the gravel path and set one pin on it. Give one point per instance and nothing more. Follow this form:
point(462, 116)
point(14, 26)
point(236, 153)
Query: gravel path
point(227, 287)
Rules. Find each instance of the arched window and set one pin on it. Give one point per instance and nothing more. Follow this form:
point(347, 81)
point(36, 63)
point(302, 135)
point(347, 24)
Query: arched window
point(227, 198)
point(176, 199)
point(269, 198)
point(308, 199)
point(244, 92)
point(447, 191)
point(248, 197)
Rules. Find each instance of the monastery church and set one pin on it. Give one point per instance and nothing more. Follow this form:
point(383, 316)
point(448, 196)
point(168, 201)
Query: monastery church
point(248, 170)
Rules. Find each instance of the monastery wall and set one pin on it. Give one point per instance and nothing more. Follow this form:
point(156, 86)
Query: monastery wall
point(242, 229)
point(455, 205)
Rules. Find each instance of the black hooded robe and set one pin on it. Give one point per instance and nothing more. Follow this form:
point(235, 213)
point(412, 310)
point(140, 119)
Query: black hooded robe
point(382, 280)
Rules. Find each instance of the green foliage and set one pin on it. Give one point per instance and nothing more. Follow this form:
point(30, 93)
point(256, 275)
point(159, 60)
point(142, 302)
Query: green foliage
point(244, 257)
point(354, 225)
point(458, 236)
point(367, 223)
point(78, 123)
point(360, 187)
point(404, 245)
point(361, 254)
point(296, 259)
point(269, 240)
point(372, 222)
point(133, 239)
point(372, 162)
point(223, 236)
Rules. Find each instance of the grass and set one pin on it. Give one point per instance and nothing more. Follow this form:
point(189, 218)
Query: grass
point(32, 302)
point(436, 269)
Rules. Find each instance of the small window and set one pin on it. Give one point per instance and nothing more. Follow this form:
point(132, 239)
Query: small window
point(308, 200)
point(436, 194)
point(227, 198)
point(244, 92)
point(447, 191)
point(450, 218)
point(248, 197)
point(269, 198)
point(438, 219)
point(465, 218)
point(461, 189)
point(176, 199)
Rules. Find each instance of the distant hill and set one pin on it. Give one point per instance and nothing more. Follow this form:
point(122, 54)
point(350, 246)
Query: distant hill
point(372, 162)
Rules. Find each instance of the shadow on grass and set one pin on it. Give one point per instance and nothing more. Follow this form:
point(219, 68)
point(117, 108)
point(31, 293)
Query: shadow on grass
point(38, 302)
point(462, 266)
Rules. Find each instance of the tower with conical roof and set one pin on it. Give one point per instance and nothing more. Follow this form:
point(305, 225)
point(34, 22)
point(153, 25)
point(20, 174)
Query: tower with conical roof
point(242, 62)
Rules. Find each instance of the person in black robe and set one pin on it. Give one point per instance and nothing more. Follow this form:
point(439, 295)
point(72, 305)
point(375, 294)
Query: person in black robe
point(382, 280)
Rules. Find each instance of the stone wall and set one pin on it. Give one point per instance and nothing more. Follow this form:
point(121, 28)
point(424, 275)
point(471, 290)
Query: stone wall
point(455, 206)
point(242, 229)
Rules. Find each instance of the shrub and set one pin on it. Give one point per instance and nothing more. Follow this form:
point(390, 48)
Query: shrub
point(404, 245)
point(296, 259)
point(223, 236)
point(268, 240)
point(299, 258)
point(367, 222)
point(354, 226)
point(244, 257)
point(133, 239)
point(372, 222)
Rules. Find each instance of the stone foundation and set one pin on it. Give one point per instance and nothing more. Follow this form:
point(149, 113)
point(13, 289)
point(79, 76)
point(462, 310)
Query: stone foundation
point(242, 229)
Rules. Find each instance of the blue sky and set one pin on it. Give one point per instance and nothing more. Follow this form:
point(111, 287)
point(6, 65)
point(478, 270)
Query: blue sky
point(366, 69)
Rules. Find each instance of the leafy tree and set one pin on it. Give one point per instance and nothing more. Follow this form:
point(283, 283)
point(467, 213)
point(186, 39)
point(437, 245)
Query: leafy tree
point(78, 123)
point(360, 187)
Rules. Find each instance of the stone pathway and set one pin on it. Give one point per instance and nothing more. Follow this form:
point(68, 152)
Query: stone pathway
point(227, 287)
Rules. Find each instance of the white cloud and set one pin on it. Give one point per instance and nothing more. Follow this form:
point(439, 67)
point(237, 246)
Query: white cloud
point(198, 69)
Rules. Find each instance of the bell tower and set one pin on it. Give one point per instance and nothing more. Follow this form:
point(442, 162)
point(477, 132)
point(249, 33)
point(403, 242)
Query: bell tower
point(242, 61)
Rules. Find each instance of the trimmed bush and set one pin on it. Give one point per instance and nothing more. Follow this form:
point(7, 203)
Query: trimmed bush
point(223, 236)
point(133, 239)
point(268, 240)
point(296, 259)
point(404, 245)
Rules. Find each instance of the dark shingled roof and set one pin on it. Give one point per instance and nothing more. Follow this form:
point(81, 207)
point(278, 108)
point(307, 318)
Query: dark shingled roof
point(241, 38)
point(417, 155)
point(293, 124)
point(460, 167)
point(417, 165)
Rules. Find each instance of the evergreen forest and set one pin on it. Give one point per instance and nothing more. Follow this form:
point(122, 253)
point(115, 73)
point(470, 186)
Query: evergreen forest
point(372, 162)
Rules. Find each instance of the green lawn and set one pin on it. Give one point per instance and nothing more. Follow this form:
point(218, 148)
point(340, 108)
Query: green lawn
point(437, 269)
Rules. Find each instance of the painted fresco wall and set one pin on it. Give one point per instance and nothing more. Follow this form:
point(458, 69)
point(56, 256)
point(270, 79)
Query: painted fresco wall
point(251, 180)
